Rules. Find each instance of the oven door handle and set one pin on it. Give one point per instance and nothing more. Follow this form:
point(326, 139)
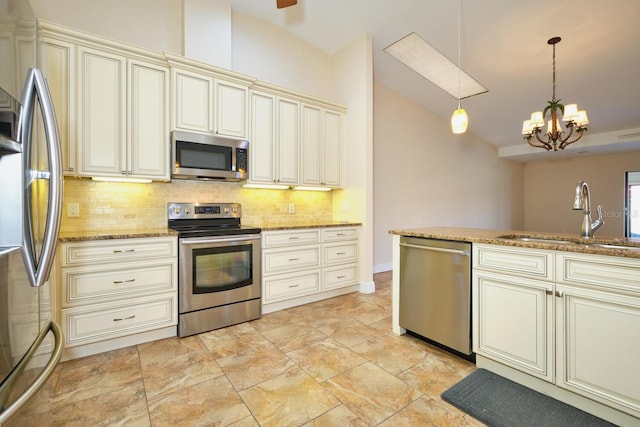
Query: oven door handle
point(220, 239)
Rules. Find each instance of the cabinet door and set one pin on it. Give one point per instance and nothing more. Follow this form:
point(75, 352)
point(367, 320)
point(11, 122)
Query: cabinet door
point(102, 112)
point(148, 148)
point(598, 346)
point(263, 137)
point(57, 60)
point(288, 141)
point(332, 159)
point(513, 322)
point(311, 145)
point(231, 109)
point(192, 101)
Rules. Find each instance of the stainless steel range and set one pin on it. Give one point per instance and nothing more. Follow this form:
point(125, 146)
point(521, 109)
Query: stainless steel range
point(219, 271)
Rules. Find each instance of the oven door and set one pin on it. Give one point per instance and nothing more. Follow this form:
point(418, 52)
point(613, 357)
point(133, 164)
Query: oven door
point(218, 270)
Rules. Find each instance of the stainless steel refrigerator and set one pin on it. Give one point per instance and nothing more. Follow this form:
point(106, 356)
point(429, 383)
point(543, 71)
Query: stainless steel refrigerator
point(30, 202)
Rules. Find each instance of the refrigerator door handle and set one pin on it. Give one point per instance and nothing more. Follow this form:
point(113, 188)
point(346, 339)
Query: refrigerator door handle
point(7, 385)
point(36, 88)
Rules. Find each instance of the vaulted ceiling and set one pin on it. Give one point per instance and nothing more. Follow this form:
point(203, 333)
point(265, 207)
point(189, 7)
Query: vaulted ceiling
point(504, 47)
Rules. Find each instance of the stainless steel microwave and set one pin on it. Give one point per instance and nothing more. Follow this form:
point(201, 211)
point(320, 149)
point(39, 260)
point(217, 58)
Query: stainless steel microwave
point(199, 156)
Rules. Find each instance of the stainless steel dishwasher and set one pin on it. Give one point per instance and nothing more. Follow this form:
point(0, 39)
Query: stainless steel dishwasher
point(435, 291)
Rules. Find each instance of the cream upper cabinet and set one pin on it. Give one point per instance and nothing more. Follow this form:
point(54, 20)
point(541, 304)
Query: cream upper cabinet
point(208, 100)
point(192, 101)
point(122, 116)
point(321, 146)
point(57, 61)
point(274, 139)
point(102, 113)
point(231, 115)
point(148, 126)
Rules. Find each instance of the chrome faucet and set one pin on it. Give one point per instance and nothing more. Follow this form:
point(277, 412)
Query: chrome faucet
point(582, 201)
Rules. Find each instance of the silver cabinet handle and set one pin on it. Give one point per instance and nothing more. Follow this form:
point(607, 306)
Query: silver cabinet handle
point(548, 292)
point(294, 238)
point(119, 251)
point(559, 294)
point(294, 259)
point(340, 253)
point(341, 277)
point(435, 249)
point(124, 318)
point(294, 286)
point(117, 282)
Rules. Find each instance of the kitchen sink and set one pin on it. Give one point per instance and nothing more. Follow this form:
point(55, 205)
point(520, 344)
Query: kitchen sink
point(537, 240)
point(621, 247)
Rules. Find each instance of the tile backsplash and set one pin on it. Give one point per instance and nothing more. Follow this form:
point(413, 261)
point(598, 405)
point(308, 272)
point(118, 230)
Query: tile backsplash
point(112, 205)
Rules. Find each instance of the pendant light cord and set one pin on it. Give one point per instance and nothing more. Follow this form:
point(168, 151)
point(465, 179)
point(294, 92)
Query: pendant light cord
point(459, 47)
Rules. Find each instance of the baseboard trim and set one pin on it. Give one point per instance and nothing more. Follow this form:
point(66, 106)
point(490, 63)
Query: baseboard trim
point(381, 268)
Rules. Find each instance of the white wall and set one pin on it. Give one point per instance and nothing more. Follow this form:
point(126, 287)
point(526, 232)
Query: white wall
point(273, 55)
point(152, 24)
point(550, 190)
point(426, 176)
point(353, 71)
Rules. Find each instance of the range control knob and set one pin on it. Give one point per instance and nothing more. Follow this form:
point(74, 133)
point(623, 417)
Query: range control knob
point(176, 210)
point(187, 211)
point(226, 210)
point(234, 210)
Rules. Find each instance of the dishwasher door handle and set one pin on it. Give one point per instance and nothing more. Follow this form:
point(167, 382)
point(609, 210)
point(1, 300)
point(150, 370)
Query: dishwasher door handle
point(435, 249)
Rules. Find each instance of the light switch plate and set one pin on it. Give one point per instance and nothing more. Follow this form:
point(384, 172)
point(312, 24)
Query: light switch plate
point(73, 210)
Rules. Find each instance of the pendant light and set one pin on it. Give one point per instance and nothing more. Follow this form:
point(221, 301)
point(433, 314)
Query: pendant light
point(459, 119)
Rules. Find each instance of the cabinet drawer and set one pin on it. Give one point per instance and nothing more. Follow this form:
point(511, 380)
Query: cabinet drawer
point(289, 238)
point(599, 270)
point(275, 262)
point(526, 262)
point(291, 286)
point(338, 277)
point(103, 251)
point(104, 321)
point(337, 234)
point(87, 284)
point(340, 254)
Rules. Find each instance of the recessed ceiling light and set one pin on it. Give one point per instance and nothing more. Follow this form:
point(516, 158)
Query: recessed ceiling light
point(427, 61)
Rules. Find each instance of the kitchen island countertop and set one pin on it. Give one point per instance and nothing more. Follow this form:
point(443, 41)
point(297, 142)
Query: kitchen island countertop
point(501, 237)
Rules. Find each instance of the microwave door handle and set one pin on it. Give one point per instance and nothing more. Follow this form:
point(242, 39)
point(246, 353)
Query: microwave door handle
point(36, 88)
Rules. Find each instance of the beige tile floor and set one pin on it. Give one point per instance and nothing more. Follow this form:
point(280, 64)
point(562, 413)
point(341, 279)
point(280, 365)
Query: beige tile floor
point(330, 363)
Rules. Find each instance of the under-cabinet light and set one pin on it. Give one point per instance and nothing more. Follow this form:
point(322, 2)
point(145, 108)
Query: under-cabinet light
point(267, 186)
point(113, 179)
point(312, 188)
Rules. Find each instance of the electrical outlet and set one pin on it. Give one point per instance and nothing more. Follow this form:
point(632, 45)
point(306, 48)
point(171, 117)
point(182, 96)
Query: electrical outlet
point(73, 210)
point(292, 208)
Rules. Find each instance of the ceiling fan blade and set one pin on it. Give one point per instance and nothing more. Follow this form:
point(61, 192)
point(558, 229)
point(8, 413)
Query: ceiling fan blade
point(285, 3)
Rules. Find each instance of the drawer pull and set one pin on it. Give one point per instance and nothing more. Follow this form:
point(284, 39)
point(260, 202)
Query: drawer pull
point(340, 234)
point(341, 253)
point(341, 277)
point(294, 286)
point(294, 259)
point(294, 238)
point(118, 251)
point(559, 294)
point(124, 318)
point(118, 282)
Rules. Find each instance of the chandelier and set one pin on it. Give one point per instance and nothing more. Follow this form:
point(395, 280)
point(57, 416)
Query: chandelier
point(555, 137)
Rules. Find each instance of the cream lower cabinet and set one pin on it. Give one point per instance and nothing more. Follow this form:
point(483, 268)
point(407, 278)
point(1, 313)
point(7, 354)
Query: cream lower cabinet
point(111, 289)
point(598, 328)
point(308, 263)
point(513, 307)
point(567, 318)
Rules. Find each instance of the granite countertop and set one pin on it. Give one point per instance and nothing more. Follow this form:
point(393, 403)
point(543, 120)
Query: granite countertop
point(127, 233)
point(501, 237)
point(136, 233)
point(273, 226)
